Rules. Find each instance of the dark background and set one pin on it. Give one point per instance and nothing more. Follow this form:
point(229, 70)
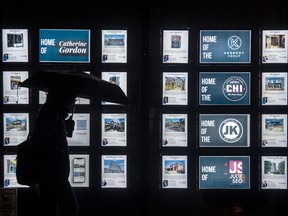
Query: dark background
point(144, 21)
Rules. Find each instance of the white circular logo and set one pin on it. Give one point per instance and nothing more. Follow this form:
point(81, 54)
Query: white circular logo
point(234, 88)
point(230, 130)
point(234, 42)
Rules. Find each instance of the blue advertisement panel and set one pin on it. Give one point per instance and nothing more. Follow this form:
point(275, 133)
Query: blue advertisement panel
point(224, 172)
point(225, 46)
point(64, 45)
point(224, 88)
point(224, 130)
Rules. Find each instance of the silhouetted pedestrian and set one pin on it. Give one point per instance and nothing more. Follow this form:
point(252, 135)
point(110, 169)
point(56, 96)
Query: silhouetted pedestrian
point(50, 138)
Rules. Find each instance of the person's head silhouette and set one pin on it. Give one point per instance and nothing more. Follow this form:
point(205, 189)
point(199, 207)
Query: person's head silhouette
point(63, 102)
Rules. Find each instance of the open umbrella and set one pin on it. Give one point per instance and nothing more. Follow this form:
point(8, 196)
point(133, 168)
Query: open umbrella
point(83, 84)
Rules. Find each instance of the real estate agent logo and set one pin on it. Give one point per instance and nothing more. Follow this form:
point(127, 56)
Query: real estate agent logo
point(234, 88)
point(230, 130)
point(236, 172)
point(235, 166)
point(234, 42)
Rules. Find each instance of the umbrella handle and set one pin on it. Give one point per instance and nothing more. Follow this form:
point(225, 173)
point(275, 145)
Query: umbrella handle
point(70, 123)
point(73, 109)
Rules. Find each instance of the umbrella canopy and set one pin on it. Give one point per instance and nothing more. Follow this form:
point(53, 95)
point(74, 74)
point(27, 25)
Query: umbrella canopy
point(78, 82)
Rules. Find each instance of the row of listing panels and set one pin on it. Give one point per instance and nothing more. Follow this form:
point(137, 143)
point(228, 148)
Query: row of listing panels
point(14, 94)
point(214, 172)
point(215, 46)
point(214, 88)
point(214, 130)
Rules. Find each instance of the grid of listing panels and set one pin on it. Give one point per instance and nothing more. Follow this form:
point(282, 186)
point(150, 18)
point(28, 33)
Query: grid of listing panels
point(231, 128)
point(58, 46)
